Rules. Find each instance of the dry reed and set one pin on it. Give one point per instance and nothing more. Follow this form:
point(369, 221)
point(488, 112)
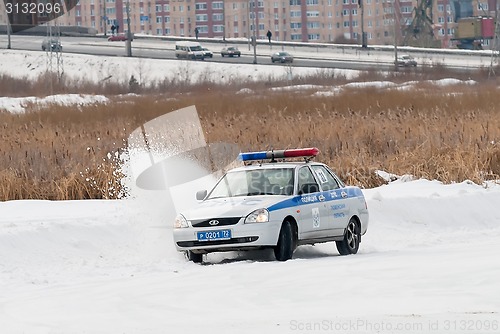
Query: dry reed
point(449, 133)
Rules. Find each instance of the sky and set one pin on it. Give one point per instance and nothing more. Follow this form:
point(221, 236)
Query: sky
point(428, 263)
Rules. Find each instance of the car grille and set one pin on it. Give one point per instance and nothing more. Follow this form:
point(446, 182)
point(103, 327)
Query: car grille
point(222, 222)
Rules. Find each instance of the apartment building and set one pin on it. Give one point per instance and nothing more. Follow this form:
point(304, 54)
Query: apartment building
point(338, 21)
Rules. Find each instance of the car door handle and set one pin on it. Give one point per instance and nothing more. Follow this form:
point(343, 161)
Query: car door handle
point(343, 194)
point(321, 198)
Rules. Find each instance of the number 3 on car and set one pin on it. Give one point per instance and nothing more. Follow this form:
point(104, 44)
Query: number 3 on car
point(279, 203)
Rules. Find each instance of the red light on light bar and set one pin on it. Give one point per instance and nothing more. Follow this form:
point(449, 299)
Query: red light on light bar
point(301, 152)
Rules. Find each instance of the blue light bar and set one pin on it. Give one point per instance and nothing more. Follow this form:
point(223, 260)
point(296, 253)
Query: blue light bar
point(252, 156)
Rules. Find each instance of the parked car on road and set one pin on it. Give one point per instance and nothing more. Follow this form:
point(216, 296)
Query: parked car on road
point(51, 44)
point(207, 52)
point(406, 61)
point(273, 203)
point(230, 52)
point(282, 57)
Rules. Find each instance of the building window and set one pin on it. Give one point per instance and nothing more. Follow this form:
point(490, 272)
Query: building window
point(406, 9)
point(158, 8)
point(295, 2)
point(159, 19)
point(296, 37)
point(313, 25)
point(482, 6)
point(166, 8)
point(218, 28)
point(313, 37)
point(312, 14)
point(200, 6)
point(312, 2)
point(217, 5)
point(201, 17)
point(217, 17)
point(296, 25)
point(295, 13)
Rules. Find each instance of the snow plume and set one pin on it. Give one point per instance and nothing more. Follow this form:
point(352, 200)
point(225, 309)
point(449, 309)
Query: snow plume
point(167, 161)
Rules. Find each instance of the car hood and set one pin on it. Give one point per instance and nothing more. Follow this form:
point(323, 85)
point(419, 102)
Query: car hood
point(231, 206)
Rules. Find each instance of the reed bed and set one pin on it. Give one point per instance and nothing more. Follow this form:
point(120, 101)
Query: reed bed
point(448, 133)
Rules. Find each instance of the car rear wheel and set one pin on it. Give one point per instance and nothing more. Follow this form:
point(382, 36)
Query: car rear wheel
point(352, 238)
point(195, 257)
point(284, 249)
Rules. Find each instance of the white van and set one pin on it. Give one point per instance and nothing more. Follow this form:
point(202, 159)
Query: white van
point(189, 50)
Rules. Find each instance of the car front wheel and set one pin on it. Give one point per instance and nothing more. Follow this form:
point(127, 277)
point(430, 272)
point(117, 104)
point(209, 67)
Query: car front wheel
point(284, 249)
point(352, 238)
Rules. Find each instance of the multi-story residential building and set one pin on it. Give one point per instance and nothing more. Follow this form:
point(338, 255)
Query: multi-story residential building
point(339, 21)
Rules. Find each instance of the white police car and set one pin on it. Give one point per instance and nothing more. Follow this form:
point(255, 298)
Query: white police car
point(277, 204)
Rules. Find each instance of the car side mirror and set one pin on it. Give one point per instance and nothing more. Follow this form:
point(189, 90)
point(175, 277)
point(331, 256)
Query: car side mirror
point(200, 195)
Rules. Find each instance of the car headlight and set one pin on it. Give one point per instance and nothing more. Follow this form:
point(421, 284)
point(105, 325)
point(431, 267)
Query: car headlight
point(258, 216)
point(180, 222)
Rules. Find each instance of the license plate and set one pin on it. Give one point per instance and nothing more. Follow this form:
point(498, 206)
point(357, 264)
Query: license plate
point(214, 235)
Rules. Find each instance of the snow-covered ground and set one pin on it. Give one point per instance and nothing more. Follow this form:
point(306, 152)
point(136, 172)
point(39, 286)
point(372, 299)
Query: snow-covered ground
point(428, 263)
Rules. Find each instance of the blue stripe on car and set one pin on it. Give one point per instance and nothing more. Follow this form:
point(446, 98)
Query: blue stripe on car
point(305, 199)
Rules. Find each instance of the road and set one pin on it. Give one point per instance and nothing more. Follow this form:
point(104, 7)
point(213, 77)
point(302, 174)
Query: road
point(342, 57)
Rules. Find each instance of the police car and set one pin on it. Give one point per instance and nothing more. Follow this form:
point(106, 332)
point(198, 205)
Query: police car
point(273, 202)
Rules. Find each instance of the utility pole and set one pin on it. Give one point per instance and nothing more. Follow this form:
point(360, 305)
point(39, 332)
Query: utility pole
point(224, 20)
point(363, 34)
point(248, 24)
point(396, 68)
point(129, 34)
point(104, 17)
point(254, 31)
point(8, 32)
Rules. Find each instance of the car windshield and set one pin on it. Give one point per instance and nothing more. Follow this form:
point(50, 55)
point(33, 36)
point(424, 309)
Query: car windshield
point(195, 48)
point(271, 181)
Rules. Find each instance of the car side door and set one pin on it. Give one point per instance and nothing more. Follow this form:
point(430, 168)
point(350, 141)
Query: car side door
point(336, 199)
point(311, 209)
